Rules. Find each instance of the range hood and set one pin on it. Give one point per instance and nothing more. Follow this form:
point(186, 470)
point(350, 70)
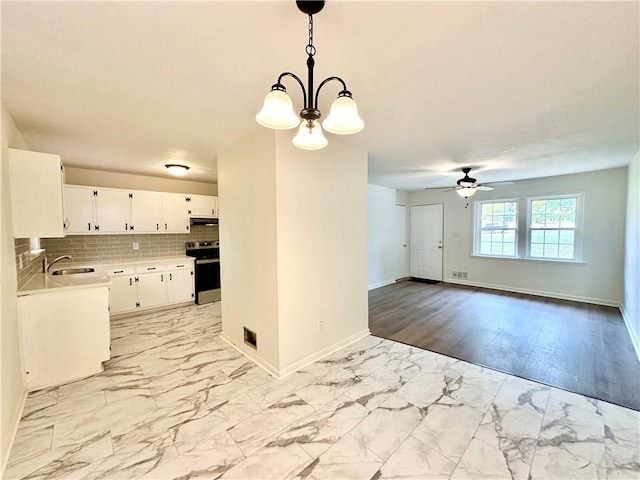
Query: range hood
point(206, 221)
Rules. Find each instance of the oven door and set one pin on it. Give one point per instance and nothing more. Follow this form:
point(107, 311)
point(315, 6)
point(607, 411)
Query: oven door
point(207, 280)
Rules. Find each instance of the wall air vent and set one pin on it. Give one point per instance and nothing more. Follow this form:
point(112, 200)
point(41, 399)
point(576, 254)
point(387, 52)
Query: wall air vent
point(250, 338)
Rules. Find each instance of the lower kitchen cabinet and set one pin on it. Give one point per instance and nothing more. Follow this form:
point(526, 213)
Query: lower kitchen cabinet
point(65, 335)
point(180, 286)
point(138, 287)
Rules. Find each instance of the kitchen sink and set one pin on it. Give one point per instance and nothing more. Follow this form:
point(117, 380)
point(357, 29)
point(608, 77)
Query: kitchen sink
point(73, 271)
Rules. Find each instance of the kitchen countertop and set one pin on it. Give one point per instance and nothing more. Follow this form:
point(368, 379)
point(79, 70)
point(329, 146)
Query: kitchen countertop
point(45, 283)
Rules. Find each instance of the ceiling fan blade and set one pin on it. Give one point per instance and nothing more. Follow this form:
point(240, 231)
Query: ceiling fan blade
point(499, 183)
point(484, 188)
point(449, 190)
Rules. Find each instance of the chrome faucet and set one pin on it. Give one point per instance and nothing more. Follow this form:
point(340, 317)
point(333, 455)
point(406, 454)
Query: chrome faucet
point(62, 257)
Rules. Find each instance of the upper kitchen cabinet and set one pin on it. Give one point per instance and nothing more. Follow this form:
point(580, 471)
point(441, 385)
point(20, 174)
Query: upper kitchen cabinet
point(174, 213)
point(202, 206)
point(97, 210)
point(36, 182)
point(146, 212)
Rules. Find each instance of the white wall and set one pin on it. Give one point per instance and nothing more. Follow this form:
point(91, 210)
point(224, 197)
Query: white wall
point(631, 301)
point(598, 280)
point(322, 241)
point(100, 178)
point(293, 248)
point(384, 262)
point(247, 196)
point(12, 389)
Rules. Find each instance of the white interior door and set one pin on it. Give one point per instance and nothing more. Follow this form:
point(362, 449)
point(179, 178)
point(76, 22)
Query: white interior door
point(426, 242)
point(400, 242)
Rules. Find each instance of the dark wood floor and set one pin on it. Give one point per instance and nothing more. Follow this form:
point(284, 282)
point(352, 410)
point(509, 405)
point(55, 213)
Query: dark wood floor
point(575, 346)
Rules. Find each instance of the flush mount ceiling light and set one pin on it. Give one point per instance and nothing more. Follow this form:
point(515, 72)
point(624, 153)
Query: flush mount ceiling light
point(277, 111)
point(177, 170)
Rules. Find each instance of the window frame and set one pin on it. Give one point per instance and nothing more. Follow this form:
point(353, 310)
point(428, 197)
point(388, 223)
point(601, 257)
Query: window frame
point(577, 229)
point(477, 228)
point(524, 229)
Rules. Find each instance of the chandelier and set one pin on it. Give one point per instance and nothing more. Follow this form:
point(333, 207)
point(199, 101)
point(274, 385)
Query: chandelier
point(277, 111)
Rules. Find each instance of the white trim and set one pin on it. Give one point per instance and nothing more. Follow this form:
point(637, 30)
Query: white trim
point(15, 421)
point(539, 293)
point(308, 360)
point(381, 284)
point(63, 379)
point(314, 357)
point(251, 355)
point(635, 338)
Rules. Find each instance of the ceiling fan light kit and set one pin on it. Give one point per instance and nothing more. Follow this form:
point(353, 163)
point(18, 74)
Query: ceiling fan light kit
point(277, 110)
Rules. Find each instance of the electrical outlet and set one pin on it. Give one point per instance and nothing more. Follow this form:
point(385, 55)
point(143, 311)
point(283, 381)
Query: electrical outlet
point(136, 245)
point(321, 325)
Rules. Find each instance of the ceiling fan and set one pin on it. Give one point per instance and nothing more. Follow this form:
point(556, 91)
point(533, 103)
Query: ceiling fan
point(467, 186)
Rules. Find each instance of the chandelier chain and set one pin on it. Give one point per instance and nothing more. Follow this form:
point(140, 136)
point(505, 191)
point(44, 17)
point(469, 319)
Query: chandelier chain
point(310, 49)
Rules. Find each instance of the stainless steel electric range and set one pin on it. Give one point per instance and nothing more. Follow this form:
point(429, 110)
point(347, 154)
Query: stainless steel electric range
point(207, 276)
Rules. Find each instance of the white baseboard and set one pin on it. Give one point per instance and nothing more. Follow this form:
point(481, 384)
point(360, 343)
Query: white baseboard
point(381, 284)
point(635, 338)
point(15, 423)
point(539, 293)
point(314, 357)
point(308, 360)
point(251, 355)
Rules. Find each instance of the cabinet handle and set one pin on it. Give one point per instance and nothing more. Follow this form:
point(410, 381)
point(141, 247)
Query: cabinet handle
point(96, 228)
point(131, 281)
point(161, 277)
point(170, 277)
point(151, 268)
point(165, 226)
point(89, 226)
point(126, 226)
point(118, 271)
point(179, 266)
point(157, 226)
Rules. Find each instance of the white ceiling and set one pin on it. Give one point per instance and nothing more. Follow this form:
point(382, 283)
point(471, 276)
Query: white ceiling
point(515, 89)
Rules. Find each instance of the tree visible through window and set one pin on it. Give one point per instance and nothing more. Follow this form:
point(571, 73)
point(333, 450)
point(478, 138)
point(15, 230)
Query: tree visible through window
point(498, 228)
point(552, 225)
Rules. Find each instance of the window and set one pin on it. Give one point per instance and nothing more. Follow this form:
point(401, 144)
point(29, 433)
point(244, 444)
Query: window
point(550, 228)
point(498, 232)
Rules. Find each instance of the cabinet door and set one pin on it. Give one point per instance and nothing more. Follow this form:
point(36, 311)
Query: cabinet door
point(180, 286)
point(151, 289)
point(36, 194)
point(113, 211)
point(202, 206)
point(79, 209)
point(174, 213)
point(123, 294)
point(146, 212)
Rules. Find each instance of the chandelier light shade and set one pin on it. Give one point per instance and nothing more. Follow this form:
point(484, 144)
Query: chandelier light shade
point(277, 111)
point(177, 170)
point(310, 136)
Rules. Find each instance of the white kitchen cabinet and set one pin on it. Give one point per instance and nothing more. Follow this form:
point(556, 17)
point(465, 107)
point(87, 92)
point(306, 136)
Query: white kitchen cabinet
point(123, 293)
point(65, 335)
point(113, 210)
point(174, 213)
point(202, 206)
point(97, 210)
point(146, 211)
point(152, 290)
point(36, 181)
point(137, 287)
point(180, 287)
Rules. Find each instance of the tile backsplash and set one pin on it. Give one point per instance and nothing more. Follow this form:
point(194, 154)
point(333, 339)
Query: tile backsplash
point(27, 263)
point(115, 248)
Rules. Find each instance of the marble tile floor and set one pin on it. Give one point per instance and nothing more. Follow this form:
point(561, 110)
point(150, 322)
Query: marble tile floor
point(176, 401)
